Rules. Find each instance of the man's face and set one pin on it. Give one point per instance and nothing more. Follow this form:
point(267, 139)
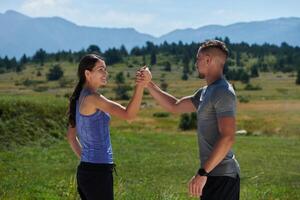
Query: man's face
point(202, 64)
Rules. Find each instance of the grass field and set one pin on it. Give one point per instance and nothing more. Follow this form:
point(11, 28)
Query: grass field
point(152, 165)
point(155, 159)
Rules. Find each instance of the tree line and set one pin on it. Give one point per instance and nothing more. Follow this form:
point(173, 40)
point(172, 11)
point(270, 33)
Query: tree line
point(265, 58)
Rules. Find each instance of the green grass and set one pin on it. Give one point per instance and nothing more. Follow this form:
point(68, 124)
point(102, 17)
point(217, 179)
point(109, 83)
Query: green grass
point(275, 86)
point(152, 165)
point(26, 119)
point(154, 158)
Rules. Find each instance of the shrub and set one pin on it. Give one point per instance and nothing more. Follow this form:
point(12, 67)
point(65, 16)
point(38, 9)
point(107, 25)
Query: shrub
point(55, 73)
point(252, 87)
point(188, 121)
point(243, 99)
point(161, 114)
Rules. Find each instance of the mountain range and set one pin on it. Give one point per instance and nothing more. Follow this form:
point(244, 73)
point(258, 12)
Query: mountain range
point(22, 34)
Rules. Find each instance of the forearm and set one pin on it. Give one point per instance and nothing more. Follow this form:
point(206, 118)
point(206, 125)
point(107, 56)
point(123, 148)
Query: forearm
point(135, 102)
point(219, 152)
point(75, 146)
point(164, 99)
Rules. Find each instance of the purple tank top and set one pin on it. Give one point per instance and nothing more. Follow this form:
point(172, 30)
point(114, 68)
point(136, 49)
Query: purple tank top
point(93, 134)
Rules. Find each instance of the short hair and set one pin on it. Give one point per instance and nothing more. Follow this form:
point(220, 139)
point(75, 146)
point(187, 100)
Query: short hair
point(217, 44)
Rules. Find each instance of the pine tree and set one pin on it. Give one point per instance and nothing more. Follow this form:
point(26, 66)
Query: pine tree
point(55, 73)
point(254, 71)
point(93, 49)
point(153, 58)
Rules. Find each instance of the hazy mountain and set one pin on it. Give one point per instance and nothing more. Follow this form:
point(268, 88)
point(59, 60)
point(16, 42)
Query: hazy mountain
point(22, 34)
point(273, 31)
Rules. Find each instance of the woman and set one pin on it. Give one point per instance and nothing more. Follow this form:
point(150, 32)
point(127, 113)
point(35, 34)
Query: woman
point(89, 116)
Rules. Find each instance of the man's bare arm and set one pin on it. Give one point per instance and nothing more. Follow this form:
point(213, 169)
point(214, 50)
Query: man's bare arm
point(169, 102)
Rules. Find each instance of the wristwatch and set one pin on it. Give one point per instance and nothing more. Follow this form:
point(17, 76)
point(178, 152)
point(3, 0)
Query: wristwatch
point(202, 172)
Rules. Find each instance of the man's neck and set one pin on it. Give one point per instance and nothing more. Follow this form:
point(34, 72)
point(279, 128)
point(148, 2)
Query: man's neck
point(211, 79)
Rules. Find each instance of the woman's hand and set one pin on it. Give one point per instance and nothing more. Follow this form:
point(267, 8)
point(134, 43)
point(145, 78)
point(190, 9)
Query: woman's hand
point(143, 76)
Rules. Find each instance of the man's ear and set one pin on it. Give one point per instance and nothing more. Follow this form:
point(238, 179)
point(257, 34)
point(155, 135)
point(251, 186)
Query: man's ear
point(208, 59)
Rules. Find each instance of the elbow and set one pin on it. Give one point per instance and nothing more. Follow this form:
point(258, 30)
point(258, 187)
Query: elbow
point(227, 138)
point(230, 139)
point(70, 136)
point(127, 115)
point(130, 116)
point(172, 109)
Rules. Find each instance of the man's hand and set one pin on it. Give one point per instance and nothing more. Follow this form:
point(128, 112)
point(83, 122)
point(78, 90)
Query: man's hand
point(143, 76)
point(196, 185)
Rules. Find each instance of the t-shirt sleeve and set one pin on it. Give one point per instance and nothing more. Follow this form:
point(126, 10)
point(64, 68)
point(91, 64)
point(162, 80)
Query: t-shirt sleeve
point(195, 98)
point(224, 102)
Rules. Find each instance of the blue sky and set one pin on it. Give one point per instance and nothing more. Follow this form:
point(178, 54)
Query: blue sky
point(156, 17)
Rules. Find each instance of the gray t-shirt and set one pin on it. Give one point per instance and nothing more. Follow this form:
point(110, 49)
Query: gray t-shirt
point(212, 102)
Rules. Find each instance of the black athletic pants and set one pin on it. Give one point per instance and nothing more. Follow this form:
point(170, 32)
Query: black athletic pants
point(95, 181)
point(221, 188)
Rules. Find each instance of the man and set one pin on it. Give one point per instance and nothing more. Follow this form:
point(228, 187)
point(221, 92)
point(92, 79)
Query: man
point(215, 104)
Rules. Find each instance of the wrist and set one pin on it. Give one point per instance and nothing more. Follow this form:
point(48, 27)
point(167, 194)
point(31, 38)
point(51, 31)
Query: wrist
point(149, 84)
point(139, 89)
point(202, 172)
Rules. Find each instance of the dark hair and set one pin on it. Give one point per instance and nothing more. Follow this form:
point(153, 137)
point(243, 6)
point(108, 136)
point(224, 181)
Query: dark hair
point(209, 44)
point(86, 63)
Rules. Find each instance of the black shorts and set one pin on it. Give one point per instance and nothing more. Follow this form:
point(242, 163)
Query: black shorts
point(95, 181)
point(221, 188)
